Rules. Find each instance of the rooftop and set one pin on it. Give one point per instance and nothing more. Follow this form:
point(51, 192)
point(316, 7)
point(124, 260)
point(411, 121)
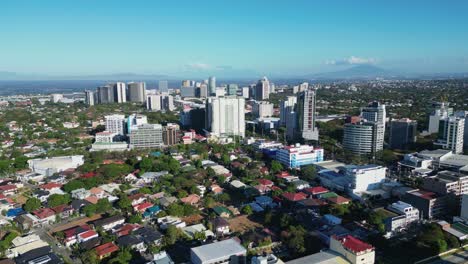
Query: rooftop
point(219, 250)
point(353, 244)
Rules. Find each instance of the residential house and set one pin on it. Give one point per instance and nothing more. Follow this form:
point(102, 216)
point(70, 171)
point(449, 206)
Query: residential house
point(45, 215)
point(222, 211)
point(191, 199)
point(220, 226)
point(131, 241)
point(105, 250)
point(226, 251)
point(109, 223)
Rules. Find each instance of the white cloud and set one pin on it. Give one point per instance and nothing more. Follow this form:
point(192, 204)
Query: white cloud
point(353, 60)
point(198, 66)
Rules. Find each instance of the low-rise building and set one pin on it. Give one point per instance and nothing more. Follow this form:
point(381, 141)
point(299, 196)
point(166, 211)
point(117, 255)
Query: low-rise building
point(226, 251)
point(429, 204)
point(353, 249)
point(299, 155)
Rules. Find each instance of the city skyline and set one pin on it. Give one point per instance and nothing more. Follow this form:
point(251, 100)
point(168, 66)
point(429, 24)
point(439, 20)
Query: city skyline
point(211, 38)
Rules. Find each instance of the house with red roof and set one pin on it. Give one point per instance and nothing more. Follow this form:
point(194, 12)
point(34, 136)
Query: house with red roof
point(294, 197)
point(87, 235)
point(64, 210)
point(192, 199)
point(89, 175)
point(315, 190)
point(353, 249)
point(126, 229)
point(140, 208)
point(70, 235)
point(51, 186)
point(137, 198)
point(216, 189)
point(105, 250)
point(265, 182)
point(45, 215)
point(8, 189)
point(338, 200)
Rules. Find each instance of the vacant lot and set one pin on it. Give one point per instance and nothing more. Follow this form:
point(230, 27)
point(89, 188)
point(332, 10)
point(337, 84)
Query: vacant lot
point(242, 223)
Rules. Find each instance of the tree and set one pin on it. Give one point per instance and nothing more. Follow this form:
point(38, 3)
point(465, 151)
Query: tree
point(223, 197)
point(89, 210)
point(145, 190)
point(4, 166)
point(73, 185)
point(124, 202)
point(103, 205)
point(123, 256)
point(135, 219)
point(32, 204)
point(247, 210)
point(146, 164)
point(199, 236)
point(58, 199)
point(309, 172)
point(296, 239)
point(20, 162)
point(172, 234)
point(209, 202)
point(276, 167)
point(89, 257)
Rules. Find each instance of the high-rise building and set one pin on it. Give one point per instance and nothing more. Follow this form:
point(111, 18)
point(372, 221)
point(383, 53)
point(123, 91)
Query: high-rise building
point(115, 124)
point(137, 92)
point(55, 98)
point(225, 116)
point(186, 83)
point(262, 89)
point(402, 133)
point(451, 132)
point(262, 109)
point(360, 138)
point(160, 102)
point(375, 113)
point(245, 92)
point(146, 136)
point(105, 94)
point(171, 134)
point(120, 92)
point(464, 115)
point(286, 107)
point(153, 102)
point(203, 90)
point(232, 89)
point(163, 86)
point(303, 86)
point(90, 97)
point(441, 111)
point(212, 85)
point(193, 118)
point(306, 115)
point(188, 91)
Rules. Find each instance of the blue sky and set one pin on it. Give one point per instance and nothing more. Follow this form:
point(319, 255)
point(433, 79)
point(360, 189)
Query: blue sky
point(266, 37)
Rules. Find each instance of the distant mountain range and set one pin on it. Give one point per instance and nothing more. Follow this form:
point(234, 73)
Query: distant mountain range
point(353, 73)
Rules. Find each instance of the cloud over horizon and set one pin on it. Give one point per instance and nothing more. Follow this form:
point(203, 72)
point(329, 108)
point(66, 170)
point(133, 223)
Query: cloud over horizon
point(352, 60)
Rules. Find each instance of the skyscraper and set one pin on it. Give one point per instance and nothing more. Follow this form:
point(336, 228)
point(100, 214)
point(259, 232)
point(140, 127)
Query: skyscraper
point(203, 90)
point(464, 114)
point(90, 97)
point(212, 85)
point(225, 116)
point(105, 94)
point(451, 131)
point(375, 112)
point(232, 89)
point(359, 138)
point(402, 133)
point(262, 89)
point(441, 111)
point(153, 102)
point(262, 109)
point(137, 92)
point(163, 87)
point(120, 92)
point(306, 115)
point(287, 106)
point(115, 124)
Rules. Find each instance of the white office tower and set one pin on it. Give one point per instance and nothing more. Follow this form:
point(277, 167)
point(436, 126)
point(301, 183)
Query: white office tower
point(153, 102)
point(306, 115)
point(212, 85)
point(464, 115)
point(146, 136)
point(225, 116)
point(120, 92)
point(105, 94)
point(262, 89)
point(303, 86)
point(272, 88)
point(262, 109)
point(90, 97)
point(55, 98)
point(245, 92)
point(375, 113)
point(219, 91)
point(137, 92)
point(160, 102)
point(135, 120)
point(440, 111)
point(115, 124)
point(286, 107)
point(163, 86)
point(451, 131)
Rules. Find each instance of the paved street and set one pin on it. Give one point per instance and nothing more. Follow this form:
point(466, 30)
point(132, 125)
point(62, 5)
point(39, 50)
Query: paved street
point(63, 251)
point(457, 258)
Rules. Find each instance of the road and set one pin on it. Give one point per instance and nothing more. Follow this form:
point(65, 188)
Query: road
point(459, 257)
point(62, 251)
